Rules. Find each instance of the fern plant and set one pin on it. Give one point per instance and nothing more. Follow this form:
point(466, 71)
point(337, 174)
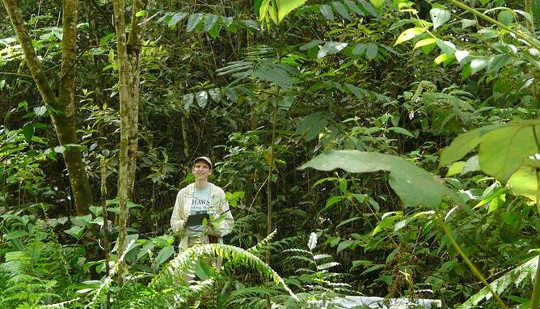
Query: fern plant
point(176, 286)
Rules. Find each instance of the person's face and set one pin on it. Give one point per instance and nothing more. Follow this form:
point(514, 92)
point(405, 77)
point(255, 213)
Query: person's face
point(201, 170)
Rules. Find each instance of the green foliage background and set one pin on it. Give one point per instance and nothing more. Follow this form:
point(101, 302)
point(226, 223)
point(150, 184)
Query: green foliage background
point(263, 87)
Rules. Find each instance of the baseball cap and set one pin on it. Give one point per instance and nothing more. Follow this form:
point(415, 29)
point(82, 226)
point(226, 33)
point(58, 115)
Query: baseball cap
point(205, 159)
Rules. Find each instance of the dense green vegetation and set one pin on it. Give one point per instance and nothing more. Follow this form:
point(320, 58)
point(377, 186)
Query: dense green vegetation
point(385, 148)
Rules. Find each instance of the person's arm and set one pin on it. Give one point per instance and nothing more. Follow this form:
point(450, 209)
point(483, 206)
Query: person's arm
point(226, 224)
point(177, 219)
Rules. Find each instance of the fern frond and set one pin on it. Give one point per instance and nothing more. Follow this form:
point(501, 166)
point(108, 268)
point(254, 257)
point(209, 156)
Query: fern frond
point(178, 266)
point(263, 244)
point(515, 276)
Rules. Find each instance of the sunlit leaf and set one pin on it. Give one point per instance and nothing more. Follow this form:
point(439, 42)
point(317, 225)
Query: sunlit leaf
point(409, 34)
point(287, 6)
point(523, 182)
point(439, 16)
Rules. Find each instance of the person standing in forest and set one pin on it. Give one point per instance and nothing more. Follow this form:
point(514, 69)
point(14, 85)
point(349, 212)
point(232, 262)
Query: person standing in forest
point(201, 212)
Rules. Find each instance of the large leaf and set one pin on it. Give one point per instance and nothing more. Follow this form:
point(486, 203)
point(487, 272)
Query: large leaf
point(287, 6)
point(523, 182)
point(414, 185)
point(463, 144)
point(503, 151)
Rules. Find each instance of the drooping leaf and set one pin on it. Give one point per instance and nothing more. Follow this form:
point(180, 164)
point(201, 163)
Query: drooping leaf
point(414, 185)
point(439, 16)
point(286, 6)
point(523, 182)
point(502, 151)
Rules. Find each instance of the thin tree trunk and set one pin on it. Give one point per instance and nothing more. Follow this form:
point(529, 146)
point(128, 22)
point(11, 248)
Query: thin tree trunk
point(128, 50)
point(64, 122)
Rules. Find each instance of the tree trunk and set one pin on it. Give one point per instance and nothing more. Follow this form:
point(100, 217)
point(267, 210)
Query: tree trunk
point(128, 50)
point(64, 122)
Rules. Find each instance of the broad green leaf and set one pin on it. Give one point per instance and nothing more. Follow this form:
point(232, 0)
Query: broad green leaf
point(344, 245)
point(461, 55)
point(312, 125)
point(463, 144)
point(81, 220)
point(377, 3)
point(209, 22)
point(446, 47)
point(409, 34)
point(455, 169)
point(141, 13)
point(341, 10)
point(15, 234)
point(330, 48)
point(439, 16)
point(75, 231)
point(326, 11)
point(371, 51)
point(471, 165)
point(147, 248)
point(477, 64)
point(466, 23)
point(286, 6)
point(505, 17)
point(424, 42)
point(193, 21)
point(502, 151)
point(414, 185)
point(496, 62)
point(28, 131)
point(164, 254)
point(523, 182)
point(359, 49)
